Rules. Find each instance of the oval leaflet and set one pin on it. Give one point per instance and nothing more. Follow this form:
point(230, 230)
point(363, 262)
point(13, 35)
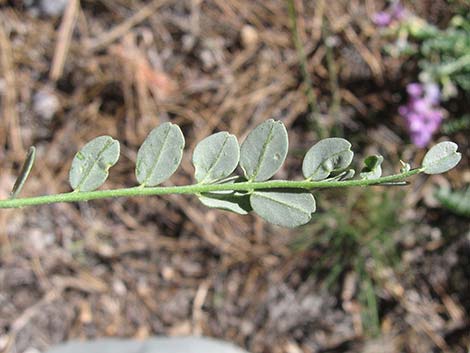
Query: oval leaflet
point(160, 155)
point(91, 164)
point(216, 157)
point(326, 156)
point(441, 158)
point(264, 150)
point(284, 208)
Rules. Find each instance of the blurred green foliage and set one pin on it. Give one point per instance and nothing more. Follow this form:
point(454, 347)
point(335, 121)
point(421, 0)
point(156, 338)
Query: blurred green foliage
point(456, 201)
point(456, 125)
point(444, 54)
point(356, 236)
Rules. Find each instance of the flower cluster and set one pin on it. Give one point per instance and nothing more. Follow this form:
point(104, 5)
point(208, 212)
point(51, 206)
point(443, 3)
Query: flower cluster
point(422, 112)
point(395, 13)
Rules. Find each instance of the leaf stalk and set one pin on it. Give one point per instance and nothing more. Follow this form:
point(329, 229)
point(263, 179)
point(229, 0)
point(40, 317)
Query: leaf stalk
point(200, 188)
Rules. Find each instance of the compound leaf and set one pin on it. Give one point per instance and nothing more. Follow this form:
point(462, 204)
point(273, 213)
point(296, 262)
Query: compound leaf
point(326, 156)
point(235, 202)
point(91, 164)
point(264, 150)
point(160, 154)
point(288, 209)
point(373, 167)
point(441, 158)
point(216, 157)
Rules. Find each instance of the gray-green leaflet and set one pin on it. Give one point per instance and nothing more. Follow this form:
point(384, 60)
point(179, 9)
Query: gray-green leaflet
point(373, 167)
point(91, 164)
point(24, 172)
point(287, 203)
point(160, 155)
point(216, 157)
point(441, 158)
point(264, 150)
point(288, 209)
point(235, 202)
point(327, 156)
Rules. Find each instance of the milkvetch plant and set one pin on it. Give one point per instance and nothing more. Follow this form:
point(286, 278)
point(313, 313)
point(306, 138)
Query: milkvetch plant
point(443, 58)
point(288, 203)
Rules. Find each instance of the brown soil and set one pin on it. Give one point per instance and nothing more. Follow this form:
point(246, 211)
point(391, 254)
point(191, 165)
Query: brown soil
point(169, 266)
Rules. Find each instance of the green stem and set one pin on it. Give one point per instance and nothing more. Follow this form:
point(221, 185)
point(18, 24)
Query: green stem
point(454, 66)
point(309, 92)
point(199, 188)
point(335, 106)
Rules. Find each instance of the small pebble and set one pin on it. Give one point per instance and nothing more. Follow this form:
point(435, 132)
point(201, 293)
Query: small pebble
point(45, 104)
point(249, 36)
point(53, 7)
point(152, 345)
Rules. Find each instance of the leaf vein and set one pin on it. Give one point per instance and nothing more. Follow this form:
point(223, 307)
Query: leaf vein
point(263, 153)
point(152, 169)
point(98, 156)
point(284, 203)
point(217, 158)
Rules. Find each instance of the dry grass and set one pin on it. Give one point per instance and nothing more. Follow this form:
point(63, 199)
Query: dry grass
point(169, 266)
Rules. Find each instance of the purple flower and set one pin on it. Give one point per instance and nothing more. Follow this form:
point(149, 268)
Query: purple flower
point(395, 12)
point(382, 19)
point(414, 89)
point(422, 112)
point(433, 94)
point(398, 11)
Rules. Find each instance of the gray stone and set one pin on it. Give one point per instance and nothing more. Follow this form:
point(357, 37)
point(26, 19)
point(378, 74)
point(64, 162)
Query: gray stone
point(45, 104)
point(152, 345)
point(53, 7)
